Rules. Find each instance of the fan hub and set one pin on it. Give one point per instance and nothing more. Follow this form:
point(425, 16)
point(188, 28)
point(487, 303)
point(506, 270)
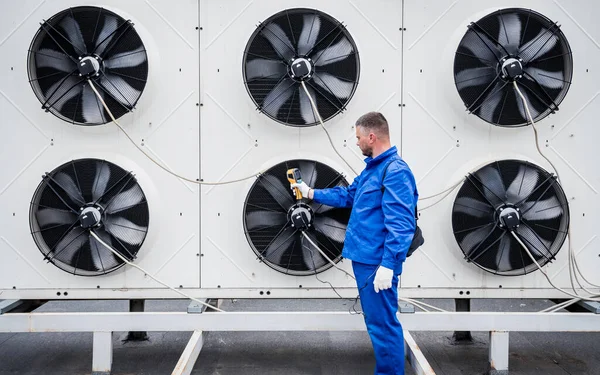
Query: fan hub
point(90, 217)
point(301, 69)
point(89, 66)
point(301, 216)
point(508, 217)
point(512, 68)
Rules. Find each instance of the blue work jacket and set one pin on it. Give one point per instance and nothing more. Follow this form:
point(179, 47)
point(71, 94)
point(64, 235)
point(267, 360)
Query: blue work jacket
point(382, 222)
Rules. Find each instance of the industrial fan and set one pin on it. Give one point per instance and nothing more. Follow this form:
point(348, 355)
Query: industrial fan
point(82, 196)
point(513, 45)
point(274, 221)
point(505, 196)
point(298, 45)
point(84, 43)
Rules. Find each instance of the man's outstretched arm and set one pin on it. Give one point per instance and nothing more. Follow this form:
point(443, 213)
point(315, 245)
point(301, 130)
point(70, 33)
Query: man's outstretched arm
point(338, 196)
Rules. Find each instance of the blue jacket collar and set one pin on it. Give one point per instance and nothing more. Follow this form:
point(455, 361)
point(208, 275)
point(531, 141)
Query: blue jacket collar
point(371, 162)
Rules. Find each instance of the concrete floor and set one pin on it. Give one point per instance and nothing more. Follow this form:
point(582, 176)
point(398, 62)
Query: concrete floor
point(292, 353)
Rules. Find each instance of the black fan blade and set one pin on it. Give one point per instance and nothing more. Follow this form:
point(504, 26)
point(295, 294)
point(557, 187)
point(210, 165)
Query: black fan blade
point(334, 53)
point(493, 185)
point(67, 184)
point(473, 207)
point(523, 184)
point(481, 48)
point(491, 102)
point(308, 170)
point(91, 106)
point(102, 258)
point(125, 230)
point(311, 256)
point(330, 228)
point(546, 209)
point(547, 79)
point(279, 245)
point(309, 34)
point(504, 254)
point(278, 191)
point(50, 216)
point(475, 77)
point(279, 40)
point(49, 58)
point(62, 91)
point(306, 110)
point(472, 240)
point(74, 35)
point(106, 34)
point(264, 68)
point(129, 59)
point(101, 180)
point(278, 96)
point(119, 89)
point(339, 88)
point(532, 109)
point(538, 246)
point(70, 244)
point(509, 34)
point(125, 200)
point(257, 220)
point(537, 47)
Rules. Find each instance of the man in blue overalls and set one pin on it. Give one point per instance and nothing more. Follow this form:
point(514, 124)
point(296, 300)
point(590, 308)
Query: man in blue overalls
point(381, 227)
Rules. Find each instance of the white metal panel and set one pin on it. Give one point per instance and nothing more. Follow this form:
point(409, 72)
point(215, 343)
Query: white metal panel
point(165, 122)
point(442, 142)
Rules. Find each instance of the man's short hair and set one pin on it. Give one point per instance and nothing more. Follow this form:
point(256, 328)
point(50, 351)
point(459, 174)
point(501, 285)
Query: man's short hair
point(374, 122)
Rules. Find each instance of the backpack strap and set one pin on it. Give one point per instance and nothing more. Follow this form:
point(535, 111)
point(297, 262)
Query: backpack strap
point(383, 186)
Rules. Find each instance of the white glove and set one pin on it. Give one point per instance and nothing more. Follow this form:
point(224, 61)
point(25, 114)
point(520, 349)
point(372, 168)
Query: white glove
point(383, 279)
point(304, 188)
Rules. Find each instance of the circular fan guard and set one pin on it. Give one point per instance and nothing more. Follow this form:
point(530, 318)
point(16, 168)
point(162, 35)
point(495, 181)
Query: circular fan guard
point(298, 45)
point(510, 195)
point(84, 195)
point(84, 43)
point(269, 228)
point(513, 45)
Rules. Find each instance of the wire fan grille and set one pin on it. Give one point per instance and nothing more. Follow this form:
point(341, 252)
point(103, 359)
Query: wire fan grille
point(282, 41)
point(87, 33)
point(268, 227)
point(542, 51)
point(93, 185)
point(541, 207)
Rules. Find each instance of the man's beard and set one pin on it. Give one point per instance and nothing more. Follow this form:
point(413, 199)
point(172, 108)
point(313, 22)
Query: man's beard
point(367, 152)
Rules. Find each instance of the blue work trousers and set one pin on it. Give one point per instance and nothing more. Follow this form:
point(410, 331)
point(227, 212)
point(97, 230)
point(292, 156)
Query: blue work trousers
point(382, 323)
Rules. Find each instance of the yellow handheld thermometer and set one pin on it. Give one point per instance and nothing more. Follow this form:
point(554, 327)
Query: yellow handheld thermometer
point(294, 176)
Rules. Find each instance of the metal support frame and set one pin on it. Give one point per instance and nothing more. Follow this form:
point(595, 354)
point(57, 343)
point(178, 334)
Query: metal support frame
point(498, 360)
point(186, 362)
point(102, 353)
point(462, 337)
point(102, 324)
point(137, 305)
point(293, 321)
point(415, 356)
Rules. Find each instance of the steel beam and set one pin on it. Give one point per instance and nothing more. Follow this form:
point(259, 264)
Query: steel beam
point(415, 356)
point(294, 321)
point(102, 354)
point(498, 354)
point(188, 358)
